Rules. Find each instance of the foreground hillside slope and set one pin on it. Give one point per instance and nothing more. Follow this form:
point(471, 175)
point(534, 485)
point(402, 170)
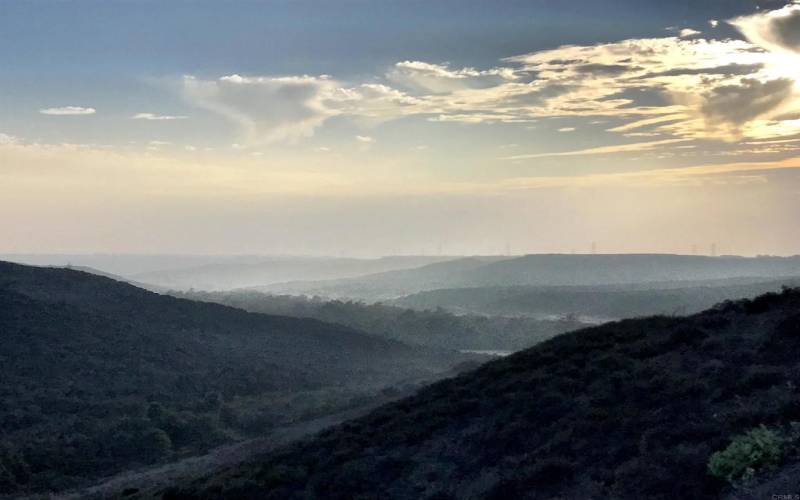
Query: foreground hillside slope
point(98, 375)
point(633, 409)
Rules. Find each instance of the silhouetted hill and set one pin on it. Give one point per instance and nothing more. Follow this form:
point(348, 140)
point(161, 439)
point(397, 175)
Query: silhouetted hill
point(548, 270)
point(97, 375)
point(627, 410)
point(602, 302)
point(125, 264)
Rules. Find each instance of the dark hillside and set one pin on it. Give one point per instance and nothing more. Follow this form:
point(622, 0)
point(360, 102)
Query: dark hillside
point(97, 376)
point(631, 410)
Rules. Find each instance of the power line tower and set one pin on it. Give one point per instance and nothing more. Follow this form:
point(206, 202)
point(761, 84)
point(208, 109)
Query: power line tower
point(713, 249)
point(594, 248)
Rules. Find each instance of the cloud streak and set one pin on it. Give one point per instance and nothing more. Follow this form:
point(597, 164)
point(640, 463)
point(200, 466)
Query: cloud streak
point(156, 117)
point(68, 111)
point(617, 148)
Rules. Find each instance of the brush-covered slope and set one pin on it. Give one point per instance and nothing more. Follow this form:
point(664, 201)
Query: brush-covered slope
point(97, 375)
point(627, 410)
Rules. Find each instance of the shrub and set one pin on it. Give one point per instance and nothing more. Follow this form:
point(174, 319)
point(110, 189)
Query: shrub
point(747, 453)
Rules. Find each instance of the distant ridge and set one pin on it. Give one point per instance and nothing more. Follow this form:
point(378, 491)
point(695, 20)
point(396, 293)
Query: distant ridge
point(549, 270)
point(602, 302)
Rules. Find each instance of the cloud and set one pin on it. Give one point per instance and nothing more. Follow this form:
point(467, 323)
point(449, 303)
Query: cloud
point(68, 111)
point(374, 103)
point(440, 78)
point(156, 145)
point(725, 70)
point(7, 140)
point(775, 31)
point(668, 67)
point(567, 129)
point(155, 117)
point(476, 118)
point(658, 120)
point(721, 89)
point(267, 109)
point(738, 104)
point(603, 69)
point(739, 172)
point(365, 139)
point(619, 148)
point(681, 87)
point(688, 33)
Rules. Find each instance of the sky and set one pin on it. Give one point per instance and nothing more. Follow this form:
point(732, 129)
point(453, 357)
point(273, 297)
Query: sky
point(379, 127)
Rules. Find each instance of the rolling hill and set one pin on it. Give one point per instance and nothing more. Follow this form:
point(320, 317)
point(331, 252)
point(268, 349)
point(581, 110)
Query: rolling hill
point(657, 408)
point(97, 375)
point(598, 303)
point(256, 271)
point(387, 284)
point(547, 270)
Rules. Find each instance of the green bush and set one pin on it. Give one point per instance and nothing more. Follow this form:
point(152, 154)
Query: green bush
point(747, 453)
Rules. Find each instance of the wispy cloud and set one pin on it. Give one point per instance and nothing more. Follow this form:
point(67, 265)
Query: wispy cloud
point(688, 33)
point(738, 172)
point(617, 148)
point(156, 117)
point(68, 111)
point(680, 87)
point(441, 78)
point(267, 109)
point(775, 30)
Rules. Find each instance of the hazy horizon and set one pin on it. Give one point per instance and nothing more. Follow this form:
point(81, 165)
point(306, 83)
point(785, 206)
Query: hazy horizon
point(356, 256)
